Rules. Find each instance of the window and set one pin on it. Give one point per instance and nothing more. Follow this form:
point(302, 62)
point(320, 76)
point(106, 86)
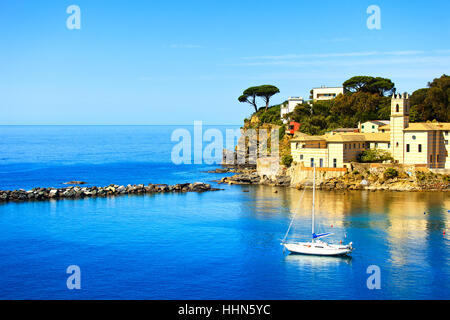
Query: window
point(437, 158)
point(321, 163)
point(301, 157)
point(354, 146)
point(373, 127)
point(414, 137)
point(446, 133)
point(334, 163)
point(389, 145)
point(312, 162)
point(446, 142)
point(397, 108)
point(420, 148)
point(376, 144)
point(362, 127)
point(431, 158)
point(396, 144)
point(407, 148)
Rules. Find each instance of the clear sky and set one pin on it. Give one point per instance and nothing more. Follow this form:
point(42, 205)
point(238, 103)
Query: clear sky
point(173, 62)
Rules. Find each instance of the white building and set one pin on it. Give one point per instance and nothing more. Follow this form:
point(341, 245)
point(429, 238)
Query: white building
point(290, 106)
point(326, 93)
point(374, 126)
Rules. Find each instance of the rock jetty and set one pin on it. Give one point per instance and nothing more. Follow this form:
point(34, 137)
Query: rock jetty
point(248, 178)
point(40, 194)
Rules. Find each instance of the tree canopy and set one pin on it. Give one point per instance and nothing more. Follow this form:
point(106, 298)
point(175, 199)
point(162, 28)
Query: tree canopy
point(366, 98)
point(264, 92)
point(345, 111)
point(432, 103)
point(367, 84)
point(249, 96)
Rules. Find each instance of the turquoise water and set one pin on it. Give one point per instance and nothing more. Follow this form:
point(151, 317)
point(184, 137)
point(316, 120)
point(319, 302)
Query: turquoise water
point(215, 245)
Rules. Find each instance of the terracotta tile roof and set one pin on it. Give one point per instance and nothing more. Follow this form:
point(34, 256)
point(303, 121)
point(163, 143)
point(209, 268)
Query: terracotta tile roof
point(427, 126)
point(377, 137)
point(345, 137)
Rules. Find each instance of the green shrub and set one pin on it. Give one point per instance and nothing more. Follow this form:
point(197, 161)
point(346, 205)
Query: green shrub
point(446, 178)
point(282, 132)
point(287, 160)
point(272, 115)
point(421, 176)
point(374, 156)
point(390, 173)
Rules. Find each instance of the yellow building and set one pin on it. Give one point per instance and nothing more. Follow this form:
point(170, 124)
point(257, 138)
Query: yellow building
point(422, 144)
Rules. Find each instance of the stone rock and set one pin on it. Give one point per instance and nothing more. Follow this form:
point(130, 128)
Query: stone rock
point(75, 182)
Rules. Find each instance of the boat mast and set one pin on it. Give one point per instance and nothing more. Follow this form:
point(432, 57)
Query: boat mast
point(314, 198)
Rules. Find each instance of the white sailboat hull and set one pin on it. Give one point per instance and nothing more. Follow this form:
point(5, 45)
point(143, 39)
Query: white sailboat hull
point(315, 247)
point(318, 248)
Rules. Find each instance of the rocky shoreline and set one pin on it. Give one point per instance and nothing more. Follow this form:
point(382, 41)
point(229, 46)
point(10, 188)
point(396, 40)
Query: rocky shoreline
point(42, 194)
point(349, 181)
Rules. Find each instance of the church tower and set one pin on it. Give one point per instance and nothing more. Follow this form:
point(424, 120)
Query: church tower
point(399, 122)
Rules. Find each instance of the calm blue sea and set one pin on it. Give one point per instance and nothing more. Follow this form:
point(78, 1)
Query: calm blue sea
point(215, 245)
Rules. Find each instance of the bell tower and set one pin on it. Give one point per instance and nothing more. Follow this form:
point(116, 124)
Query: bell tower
point(399, 122)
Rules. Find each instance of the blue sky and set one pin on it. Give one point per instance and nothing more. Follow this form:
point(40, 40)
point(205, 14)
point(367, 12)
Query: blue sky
point(173, 62)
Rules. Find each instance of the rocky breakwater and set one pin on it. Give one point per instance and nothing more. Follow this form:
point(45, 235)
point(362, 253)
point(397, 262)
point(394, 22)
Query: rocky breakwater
point(40, 194)
point(253, 177)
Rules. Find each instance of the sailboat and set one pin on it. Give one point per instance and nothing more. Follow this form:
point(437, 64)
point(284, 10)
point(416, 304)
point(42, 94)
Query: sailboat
point(316, 246)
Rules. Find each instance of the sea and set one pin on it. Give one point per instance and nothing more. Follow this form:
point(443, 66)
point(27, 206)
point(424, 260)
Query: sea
point(215, 245)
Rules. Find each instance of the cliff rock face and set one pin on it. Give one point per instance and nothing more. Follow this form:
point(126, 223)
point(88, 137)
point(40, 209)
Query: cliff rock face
point(304, 176)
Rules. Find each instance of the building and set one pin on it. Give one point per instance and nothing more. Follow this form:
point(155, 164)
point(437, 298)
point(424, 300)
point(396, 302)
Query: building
point(293, 128)
point(374, 126)
point(421, 144)
point(343, 130)
point(290, 106)
point(326, 93)
point(424, 144)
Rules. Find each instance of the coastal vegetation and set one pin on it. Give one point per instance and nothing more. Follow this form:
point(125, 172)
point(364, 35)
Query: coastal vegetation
point(390, 173)
point(367, 84)
point(265, 92)
point(433, 102)
point(375, 156)
point(287, 160)
point(365, 98)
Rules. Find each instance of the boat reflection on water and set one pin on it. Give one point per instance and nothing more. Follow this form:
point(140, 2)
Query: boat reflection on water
point(304, 260)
